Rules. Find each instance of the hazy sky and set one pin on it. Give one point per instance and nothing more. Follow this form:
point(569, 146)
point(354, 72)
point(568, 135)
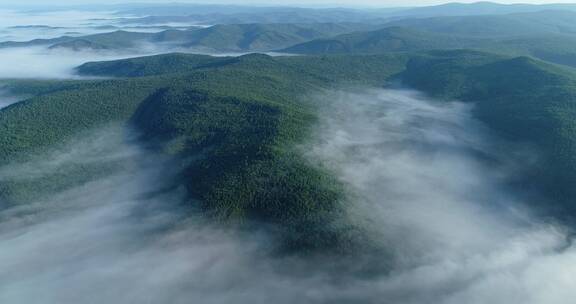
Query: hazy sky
point(272, 3)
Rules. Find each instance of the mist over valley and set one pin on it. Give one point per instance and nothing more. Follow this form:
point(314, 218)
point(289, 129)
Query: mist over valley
point(177, 153)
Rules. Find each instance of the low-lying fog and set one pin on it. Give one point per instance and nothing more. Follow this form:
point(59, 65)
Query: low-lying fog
point(123, 238)
point(39, 61)
point(6, 99)
point(29, 25)
point(42, 62)
point(425, 173)
point(431, 178)
point(24, 26)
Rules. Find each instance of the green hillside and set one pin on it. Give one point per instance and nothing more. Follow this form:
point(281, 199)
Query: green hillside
point(390, 39)
point(112, 40)
point(224, 14)
point(265, 36)
point(222, 38)
point(526, 101)
point(239, 120)
point(546, 35)
point(152, 65)
point(478, 8)
point(559, 49)
point(521, 24)
point(231, 126)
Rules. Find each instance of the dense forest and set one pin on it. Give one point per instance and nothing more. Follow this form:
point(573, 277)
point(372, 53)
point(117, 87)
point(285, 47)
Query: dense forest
point(232, 124)
point(178, 152)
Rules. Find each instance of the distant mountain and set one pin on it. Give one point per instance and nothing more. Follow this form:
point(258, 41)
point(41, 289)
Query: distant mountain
point(214, 14)
point(524, 100)
point(552, 48)
point(522, 24)
point(390, 39)
point(245, 37)
point(153, 65)
point(545, 35)
point(478, 8)
point(78, 45)
point(112, 40)
point(258, 16)
point(183, 9)
point(223, 38)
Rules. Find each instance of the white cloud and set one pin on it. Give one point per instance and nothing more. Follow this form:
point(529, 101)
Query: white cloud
point(7, 99)
point(440, 209)
point(15, 26)
point(40, 62)
point(425, 172)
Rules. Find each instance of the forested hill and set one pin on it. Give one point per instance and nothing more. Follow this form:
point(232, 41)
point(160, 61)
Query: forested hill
point(243, 116)
point(545, 22)
point(221, 38)
point(554, 48)
point(389, 39)
point(232, 125)
point(221, 14)
point(525, 100)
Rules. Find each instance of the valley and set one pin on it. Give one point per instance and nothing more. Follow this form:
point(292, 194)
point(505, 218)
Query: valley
point(273, 154)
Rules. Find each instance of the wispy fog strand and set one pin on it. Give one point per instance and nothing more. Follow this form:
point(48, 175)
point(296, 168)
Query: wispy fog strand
point(425, 175)
point(432, 181)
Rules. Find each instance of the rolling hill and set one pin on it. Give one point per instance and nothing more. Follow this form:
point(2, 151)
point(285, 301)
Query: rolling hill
point(245, 112)
point(222, 38)
point(524, 100)
point(218, 14)
point(478, 8)
point(559, 49)
point(231, 125)
point(521, 24)
point(210, 15)
point(390, 39)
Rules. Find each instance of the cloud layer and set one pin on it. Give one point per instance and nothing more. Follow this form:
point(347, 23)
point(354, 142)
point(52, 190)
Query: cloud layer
point(124, 238)
point(429, 177)
point(24, 26)
point(7, 99)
